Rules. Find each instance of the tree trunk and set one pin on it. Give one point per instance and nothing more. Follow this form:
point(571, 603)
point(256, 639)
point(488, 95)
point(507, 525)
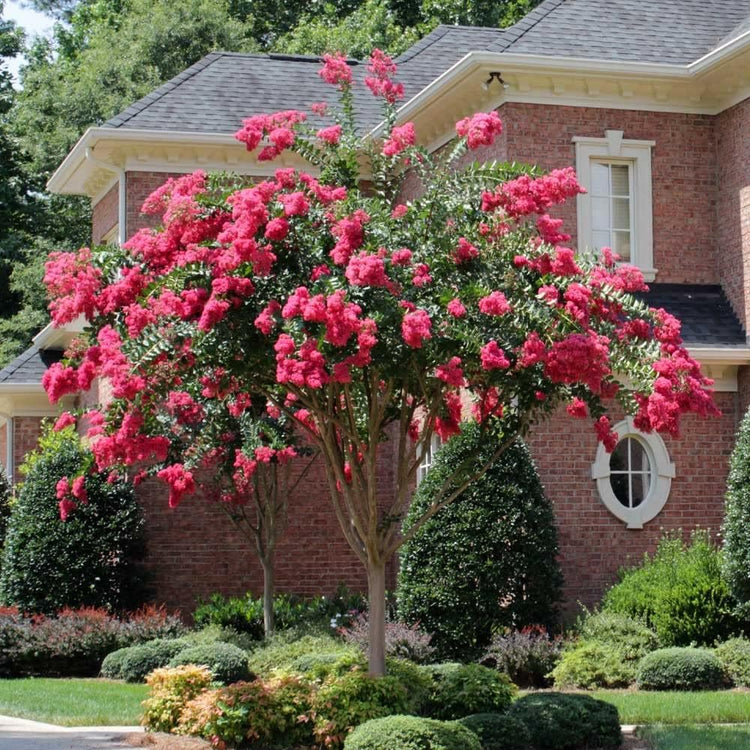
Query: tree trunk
point(268, 590)
point(376, 616)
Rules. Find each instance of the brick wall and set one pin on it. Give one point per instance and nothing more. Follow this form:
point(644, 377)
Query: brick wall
point(26, 432)
point(733, 206)
point(104, 214)
point(593, 543)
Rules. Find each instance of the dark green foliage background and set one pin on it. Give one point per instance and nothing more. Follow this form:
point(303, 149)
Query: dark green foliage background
point(737, 520)
point(89, 560)
point(486, 561)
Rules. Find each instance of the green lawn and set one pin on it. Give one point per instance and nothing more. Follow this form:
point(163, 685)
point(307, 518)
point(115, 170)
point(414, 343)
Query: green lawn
point(706, 707)
point(696, 737)
point(74, 702)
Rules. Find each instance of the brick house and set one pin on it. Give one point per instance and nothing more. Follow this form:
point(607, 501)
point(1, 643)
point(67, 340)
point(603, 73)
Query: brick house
point(649, 101)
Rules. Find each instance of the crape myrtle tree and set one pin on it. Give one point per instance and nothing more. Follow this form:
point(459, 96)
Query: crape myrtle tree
point(366, 320)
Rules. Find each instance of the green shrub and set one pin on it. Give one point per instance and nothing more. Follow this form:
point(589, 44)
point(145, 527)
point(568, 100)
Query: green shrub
point(89, 560)
point(411, 733)
point(170, 691)
point(227, 663)
point(734, 656)
point(527, 656)
point(342, 703)
point(632, 637)
point(218, 634)
point(463, 689)
point(486, 561)
point(417, 681)
point(112, 664)
point(590, 664)
point(736, 529)
point(498, 731)
point(282, 652)
point(680, 669)
point(557, 721)
point(317, 666)
point(263, 711)
point(679, 592)
point(5, 506)
point(138, 661)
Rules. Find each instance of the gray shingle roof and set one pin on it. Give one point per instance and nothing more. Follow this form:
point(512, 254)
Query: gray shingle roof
point(30, 366)
point(215, 94)
point(655, 31)
point(706, 315)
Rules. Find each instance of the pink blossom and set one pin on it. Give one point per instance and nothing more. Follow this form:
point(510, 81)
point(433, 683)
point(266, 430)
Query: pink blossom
point(265, 322)
point(336, 71)
point(564, 263)
point(331, 134)
point(493, 357)
point(366, 269)
point(464, 252)
point(319, 108)
point(416, 328)
point(401, 257)
point(421, 275)
point(451, 372)
point(180, 481)
point(400, 139)
point(605, 434)
point(577, 408)
point(381, 84)
point(456, 308)
point(64, 420)
point(399, 211)
point(66, 506)
point(295, 204)
point(494, 304)
point(277, 229)
point(480, 129)
point(78, 490)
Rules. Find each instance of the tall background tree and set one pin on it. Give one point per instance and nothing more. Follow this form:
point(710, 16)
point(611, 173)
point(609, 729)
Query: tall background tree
point(104, 54)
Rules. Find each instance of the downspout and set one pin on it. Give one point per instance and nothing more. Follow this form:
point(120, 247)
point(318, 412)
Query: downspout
point(9, 427)
point(121, 208)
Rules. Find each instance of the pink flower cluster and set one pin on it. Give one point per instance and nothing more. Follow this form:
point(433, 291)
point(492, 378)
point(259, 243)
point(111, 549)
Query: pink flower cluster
point(383, 68)
point(180, 480)
point(336, 71)
point(416, 328)
point(480, 129)
point(278, 128)
point(401, 137)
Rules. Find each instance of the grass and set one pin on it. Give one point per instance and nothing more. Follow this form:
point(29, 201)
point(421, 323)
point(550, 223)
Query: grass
point(73, 702)
point(663, 737)
point(705, 707)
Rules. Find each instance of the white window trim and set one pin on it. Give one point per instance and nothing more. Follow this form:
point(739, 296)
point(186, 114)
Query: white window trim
point(661, 466)
point(111, 237)
point(638, 153)
point(428, 458)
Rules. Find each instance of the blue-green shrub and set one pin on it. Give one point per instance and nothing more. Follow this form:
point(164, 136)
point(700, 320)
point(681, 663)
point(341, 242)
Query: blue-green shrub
point(227, 663)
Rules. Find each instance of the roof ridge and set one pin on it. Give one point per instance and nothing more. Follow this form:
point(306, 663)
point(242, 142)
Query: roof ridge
point(420, 46)
point(165, 88)
point(529, 21)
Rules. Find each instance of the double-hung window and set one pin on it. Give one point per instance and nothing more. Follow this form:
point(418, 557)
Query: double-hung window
point(616, 210)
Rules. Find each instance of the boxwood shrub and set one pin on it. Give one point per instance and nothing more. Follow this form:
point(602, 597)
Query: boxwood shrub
point(488, 560)
point(557, 721)
point(498, 731)
point(112, 664)
point(227, 663)
point(734, 656)
point(138, 661)
point(680, 669)
point(463, 689)
point(411, 733)
point(590, 664)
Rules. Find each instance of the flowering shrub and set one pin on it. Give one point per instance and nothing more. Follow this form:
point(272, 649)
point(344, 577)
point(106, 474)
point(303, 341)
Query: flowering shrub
point(527, 655)
point(74, 642)
point(171, 690)
point(401, 640)
point(322, 303)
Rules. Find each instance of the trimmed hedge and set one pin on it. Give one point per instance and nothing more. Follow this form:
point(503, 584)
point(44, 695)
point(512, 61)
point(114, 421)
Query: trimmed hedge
point(140, 660)
point(488, 560)
point(734, 656)
point(112, 665)
point(498, 731)
point(411, 733)
point(463, 689)
point(89, 560)
point(557, 721)
point(227, 663)
point(681, 669)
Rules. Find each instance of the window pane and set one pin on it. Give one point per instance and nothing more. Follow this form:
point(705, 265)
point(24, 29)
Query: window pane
point(621, 244)
point(599, 178)
point(618, 461)
point(600, 214)
point(641, 486)
point(620, 213)
point(620, 488)
point(638, 456)
point(601, 239)
point(620, 179)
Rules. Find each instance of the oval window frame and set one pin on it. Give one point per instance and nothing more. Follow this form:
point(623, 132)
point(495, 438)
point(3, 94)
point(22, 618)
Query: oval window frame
point(663, 474)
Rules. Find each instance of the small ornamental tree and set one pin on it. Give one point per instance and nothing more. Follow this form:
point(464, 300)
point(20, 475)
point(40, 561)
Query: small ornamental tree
point(359, 316)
